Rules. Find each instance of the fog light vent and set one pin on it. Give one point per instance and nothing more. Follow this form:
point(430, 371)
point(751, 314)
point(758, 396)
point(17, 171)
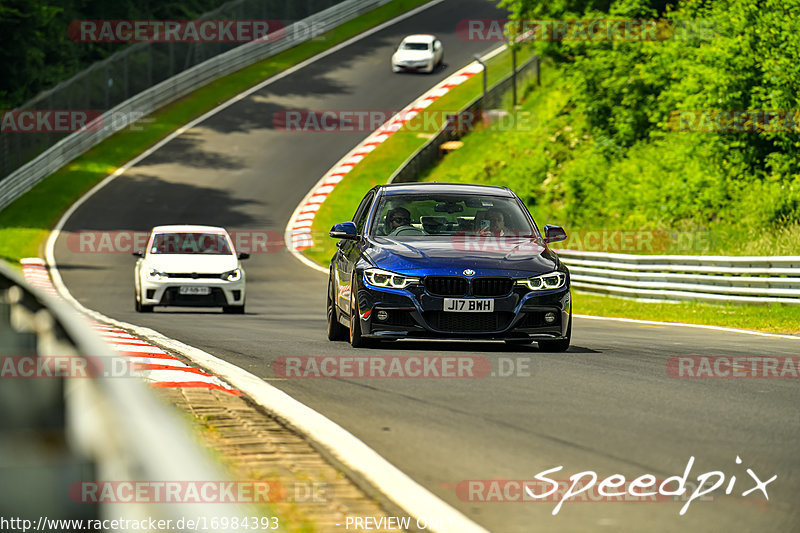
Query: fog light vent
point(383, 316)
point(550, 318)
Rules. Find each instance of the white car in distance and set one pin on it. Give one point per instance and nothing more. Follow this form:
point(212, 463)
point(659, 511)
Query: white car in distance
point(418, 53)
point(189, 266)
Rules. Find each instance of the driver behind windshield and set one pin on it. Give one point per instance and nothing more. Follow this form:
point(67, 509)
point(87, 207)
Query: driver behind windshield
point(398, 221)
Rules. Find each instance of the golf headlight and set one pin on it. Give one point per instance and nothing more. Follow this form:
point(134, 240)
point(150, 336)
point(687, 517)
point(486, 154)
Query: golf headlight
point(156, 275)
point(383, 278)
point(545, 282)
point(232, 275)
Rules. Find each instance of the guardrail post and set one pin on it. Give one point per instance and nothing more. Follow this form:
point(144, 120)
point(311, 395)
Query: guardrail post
point(485, 80)
point(514, 75)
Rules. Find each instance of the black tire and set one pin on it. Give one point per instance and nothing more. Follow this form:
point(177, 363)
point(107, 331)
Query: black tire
point(356, 339)
point(336, 331)
point(142, 308)
point(561, 345)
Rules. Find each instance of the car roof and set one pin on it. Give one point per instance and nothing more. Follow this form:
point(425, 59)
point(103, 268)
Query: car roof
point(440, 188)
point(187, 228)
point(420, 37)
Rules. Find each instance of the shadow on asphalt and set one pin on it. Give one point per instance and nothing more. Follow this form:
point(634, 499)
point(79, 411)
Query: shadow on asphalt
point(472, 347)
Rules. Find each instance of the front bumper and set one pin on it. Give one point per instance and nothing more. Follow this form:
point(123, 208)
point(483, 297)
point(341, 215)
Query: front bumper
point(413, 313)
point(411, 66)
point(167, 293)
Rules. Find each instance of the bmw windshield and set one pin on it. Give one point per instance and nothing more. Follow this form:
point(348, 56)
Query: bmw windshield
point(404, 217)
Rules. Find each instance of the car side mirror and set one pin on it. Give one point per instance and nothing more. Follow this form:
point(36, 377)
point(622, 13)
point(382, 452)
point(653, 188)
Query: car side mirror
point(138, 253)
point(554, 233)
point(243, 256)
point(344, 230)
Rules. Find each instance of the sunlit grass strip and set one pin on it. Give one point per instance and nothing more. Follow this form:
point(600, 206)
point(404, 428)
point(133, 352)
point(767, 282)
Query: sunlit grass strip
point(770, 318)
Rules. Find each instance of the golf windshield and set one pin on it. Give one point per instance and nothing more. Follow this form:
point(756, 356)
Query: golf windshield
point(190, 243)
point(416, 46)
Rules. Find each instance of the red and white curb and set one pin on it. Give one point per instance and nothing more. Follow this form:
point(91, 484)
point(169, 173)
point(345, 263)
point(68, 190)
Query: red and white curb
point(160, 369)
point(298, 231)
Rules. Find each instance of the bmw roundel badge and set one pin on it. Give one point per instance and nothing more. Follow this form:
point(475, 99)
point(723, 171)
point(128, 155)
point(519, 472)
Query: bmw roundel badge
point(469, 272)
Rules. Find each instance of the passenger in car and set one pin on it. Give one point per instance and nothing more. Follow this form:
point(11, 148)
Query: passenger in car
point(497, 222)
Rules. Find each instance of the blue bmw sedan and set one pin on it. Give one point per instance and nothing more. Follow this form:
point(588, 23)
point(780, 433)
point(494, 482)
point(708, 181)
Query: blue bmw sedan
point(440, 260)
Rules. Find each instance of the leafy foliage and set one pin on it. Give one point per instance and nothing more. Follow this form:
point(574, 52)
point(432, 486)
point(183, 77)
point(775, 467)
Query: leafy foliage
point(613, 157)
point(36, 51)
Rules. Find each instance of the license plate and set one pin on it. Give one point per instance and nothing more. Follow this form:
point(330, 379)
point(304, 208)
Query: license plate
point(469, 305)
point(201, 291)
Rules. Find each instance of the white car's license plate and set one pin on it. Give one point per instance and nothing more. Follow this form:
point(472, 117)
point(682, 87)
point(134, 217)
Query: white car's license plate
point(201, 291)
point(469, 305)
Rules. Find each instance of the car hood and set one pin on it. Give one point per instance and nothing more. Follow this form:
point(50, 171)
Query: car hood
point(413, 55)
point(487, 256)
point(201, 264)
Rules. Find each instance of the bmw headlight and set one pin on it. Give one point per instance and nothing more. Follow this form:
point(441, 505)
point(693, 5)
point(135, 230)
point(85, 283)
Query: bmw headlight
point(383, 278)
point(232, 275)
point(545, 282)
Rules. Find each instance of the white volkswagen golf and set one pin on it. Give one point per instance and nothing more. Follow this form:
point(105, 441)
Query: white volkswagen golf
point(418, 52)
point(189, 266)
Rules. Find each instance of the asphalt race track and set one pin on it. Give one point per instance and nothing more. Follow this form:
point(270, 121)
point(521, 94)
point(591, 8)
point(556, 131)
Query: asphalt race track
point(608, 405)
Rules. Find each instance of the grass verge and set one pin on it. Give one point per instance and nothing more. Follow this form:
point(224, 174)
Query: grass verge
point(774, 318)
point(25, 224)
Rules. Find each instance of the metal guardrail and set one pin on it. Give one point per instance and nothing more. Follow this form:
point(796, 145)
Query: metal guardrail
point(761, 280)
point(427, 155)
point(178, 86)
point(59, 431)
